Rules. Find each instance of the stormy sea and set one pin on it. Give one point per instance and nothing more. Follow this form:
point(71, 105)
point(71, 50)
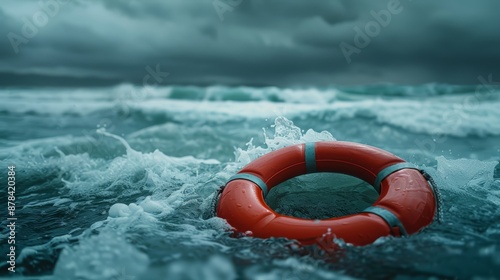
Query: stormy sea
point(118, 182)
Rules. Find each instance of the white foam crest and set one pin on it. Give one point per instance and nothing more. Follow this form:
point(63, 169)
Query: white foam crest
point(219, 110)
point(442, 115)
point(285, 134)
point(287, 95)
point(95, 177)
point(55, 102)
point(432, 115)
point(151, 208)
point(129, 92)
point(173, 185)
point(171, 182)
point(454, 116)
point(64, 95)
point(125, 219)
point(308, 96)
point(36, 146)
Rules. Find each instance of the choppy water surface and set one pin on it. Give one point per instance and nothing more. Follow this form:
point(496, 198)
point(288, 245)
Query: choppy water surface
point(115, 183)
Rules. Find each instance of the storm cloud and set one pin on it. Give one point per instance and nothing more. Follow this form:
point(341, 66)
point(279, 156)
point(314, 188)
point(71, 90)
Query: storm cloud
point(248, 42)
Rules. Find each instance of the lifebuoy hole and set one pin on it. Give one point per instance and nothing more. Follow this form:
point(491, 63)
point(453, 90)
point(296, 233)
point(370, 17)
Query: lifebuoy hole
point(321, 196)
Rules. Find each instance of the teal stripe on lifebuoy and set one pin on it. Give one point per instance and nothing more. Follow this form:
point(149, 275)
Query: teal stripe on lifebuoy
point(389, 170)
point(310, 157)
point(252, 178)
point(388, 217)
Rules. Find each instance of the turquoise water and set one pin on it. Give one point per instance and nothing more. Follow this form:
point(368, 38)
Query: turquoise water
point(116, 183)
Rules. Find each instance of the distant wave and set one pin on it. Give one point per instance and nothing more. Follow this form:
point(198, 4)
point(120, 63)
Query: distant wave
point(317, 95)
point(429, 109)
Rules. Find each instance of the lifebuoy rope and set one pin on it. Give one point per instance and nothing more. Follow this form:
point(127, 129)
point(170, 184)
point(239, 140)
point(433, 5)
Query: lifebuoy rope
point(437, 195)
point(213, 203)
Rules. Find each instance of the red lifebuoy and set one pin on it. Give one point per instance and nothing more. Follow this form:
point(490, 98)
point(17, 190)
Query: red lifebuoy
point(406, 203)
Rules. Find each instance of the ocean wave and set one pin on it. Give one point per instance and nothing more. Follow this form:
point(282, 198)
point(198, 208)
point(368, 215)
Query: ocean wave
point(125, 171)
point(450, 116)
point(444, 110)
point(142, 214)
point(312, 95)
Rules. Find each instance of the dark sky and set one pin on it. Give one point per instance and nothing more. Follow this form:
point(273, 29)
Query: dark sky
point(248, 42)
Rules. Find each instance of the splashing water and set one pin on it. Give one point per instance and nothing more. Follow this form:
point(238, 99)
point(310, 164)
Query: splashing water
point(127, 201)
